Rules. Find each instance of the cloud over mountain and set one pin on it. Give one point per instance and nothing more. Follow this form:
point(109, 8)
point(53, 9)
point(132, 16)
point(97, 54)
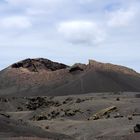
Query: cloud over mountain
point(86, 32)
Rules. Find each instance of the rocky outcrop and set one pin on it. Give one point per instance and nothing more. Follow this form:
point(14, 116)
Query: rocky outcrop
point(103, 113)
point(36, 65)
point(110, 67)
point(57, 113)
point(40, 102)
point(77, 67)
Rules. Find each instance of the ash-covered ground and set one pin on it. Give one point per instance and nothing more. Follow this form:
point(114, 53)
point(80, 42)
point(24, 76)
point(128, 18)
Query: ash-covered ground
point(94, 116)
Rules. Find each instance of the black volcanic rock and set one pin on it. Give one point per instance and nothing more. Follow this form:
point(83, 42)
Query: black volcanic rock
point(137, 128)
point(77, 67)
point(35, 65)
point(43, 77)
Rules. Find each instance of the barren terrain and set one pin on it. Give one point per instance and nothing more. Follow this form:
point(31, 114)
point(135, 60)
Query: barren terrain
point(72, 117)
point(45, 100)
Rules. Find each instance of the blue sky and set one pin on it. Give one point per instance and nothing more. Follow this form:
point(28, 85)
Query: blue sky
point(70, 31)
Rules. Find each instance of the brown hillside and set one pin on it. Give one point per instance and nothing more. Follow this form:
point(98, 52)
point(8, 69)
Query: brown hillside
point(44, 77)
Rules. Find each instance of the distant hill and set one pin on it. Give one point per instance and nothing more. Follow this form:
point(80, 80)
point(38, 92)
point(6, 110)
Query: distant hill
point(33, 77)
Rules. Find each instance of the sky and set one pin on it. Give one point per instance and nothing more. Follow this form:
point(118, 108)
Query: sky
point(70, 31)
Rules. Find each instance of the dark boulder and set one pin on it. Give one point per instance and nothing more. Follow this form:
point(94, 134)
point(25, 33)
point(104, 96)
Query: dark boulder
point(137, 128)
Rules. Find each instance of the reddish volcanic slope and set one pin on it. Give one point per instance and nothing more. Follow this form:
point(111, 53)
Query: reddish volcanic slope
point(44, 77)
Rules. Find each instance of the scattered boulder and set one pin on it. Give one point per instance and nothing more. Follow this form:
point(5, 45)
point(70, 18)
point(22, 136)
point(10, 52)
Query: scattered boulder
point(19, 108)
point(68, 100)
point(3, 100)
point(58, 113)
point(47, 127)
point(136, 114)
point(108, 116)
point(35, 103)
point(130, 117)
point(118, 116)
point(46, 116)
point(39, 118)
point(118, 99)
point(79, 100)
point(5, 115)
point(69, 113)
point(40, 102)
point(137, 128)
point(54, 114)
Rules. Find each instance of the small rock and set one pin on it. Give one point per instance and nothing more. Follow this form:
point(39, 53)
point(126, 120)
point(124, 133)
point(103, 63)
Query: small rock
point(130, 117)
point(88, 110)
point(4, 100)
point(5, 115)
point(70, 113)
point(64, 102)
point(79, 100)
point(108, 116)
point(118, 99)
point(20, 109)
point(137, 128)
point(118, 116)
point(136, 114)
point(39, 118)
point(47, 127)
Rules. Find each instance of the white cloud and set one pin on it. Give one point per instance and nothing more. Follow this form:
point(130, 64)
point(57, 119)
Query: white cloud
point(86, 1)
point(81, 31)
point(121, 17)
point(15, 22)
point(35, 4)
